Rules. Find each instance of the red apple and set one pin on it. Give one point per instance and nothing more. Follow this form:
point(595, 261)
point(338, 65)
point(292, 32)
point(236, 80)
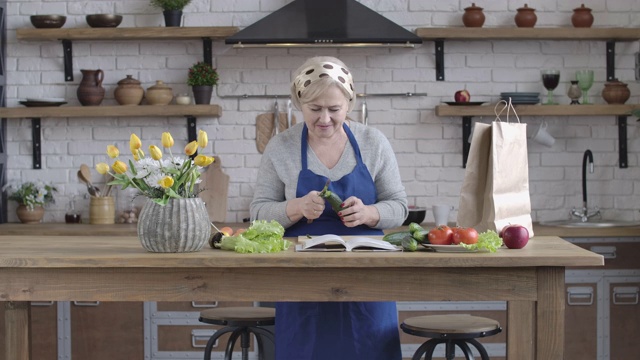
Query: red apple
point(502, 231)
point(462, 96)
point(515, 236)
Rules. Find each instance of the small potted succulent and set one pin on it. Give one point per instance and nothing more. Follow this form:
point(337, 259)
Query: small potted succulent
point(202, 78)
point(172, 10)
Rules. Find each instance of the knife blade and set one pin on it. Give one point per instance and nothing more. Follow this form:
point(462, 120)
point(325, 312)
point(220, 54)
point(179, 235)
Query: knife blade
point(289, 109)
point(276, 118)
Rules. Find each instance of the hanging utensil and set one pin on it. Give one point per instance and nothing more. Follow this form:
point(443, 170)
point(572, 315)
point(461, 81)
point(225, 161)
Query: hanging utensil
point(93, 191)
point(289, 109)
point(276, 118)
point(364, 114)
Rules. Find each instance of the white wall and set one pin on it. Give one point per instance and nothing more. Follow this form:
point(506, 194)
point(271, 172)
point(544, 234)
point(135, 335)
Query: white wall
point(428, 147)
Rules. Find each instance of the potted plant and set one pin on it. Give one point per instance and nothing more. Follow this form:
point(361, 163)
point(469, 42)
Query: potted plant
point(202, 78)
point(31, 198)
point(172, 10)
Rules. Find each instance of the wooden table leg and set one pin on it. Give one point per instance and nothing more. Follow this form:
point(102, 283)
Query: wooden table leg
point(520, 330)
point(17, 317)
point(550, 314)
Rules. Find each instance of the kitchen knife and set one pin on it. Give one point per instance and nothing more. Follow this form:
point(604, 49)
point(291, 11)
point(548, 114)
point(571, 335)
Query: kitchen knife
point(289, 113)
point(326, 186)
point(276, 118)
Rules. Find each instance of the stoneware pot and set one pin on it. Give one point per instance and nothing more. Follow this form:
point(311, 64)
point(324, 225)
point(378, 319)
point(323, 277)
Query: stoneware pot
point(172, 18)
point(615, 92)
point(102, 210)
point(90, 91)
point(159, 94)
point(202, 94)
point(129, 91)
point(30, 216)
point(526, 17)
point(582, 17)
point(180, 226)
point(183, 99)
point(473, 16)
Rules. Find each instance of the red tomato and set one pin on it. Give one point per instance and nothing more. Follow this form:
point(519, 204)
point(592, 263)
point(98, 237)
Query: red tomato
point(441, 235)
point(465, 235)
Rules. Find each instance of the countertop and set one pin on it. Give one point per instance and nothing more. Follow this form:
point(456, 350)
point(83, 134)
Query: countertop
point(130, 230)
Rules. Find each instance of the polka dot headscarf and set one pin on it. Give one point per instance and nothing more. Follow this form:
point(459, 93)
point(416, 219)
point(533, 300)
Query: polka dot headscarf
point(313, 73)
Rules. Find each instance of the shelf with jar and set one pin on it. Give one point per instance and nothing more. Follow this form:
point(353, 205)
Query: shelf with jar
point(67, 36)
point(610, 35)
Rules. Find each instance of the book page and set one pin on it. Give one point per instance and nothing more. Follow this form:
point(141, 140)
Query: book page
point(326, 242)
point(331, 242)
point(367, 243)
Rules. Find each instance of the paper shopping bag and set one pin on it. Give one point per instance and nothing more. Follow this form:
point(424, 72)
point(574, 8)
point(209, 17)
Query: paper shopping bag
point(495, 189)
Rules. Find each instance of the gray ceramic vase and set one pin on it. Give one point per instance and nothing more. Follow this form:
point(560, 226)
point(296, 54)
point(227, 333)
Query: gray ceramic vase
point(180, 226)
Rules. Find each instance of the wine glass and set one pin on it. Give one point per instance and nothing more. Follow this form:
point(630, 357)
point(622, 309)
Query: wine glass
point(585, 81)
point(550, 80)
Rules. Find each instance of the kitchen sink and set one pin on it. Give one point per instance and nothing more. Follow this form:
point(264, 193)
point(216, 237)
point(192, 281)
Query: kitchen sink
point(589, 224)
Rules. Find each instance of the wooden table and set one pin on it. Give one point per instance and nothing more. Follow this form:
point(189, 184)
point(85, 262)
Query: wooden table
point(116, 268)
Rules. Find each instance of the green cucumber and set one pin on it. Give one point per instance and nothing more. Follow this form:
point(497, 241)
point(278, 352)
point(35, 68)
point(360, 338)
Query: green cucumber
point(421, 236)
point(409, 244)
point(414, 227)
point(395, 238)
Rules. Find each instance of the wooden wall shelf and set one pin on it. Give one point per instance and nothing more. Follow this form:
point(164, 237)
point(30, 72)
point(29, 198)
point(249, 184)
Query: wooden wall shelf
point(467, 112)
point(610, 35)
point(207, 34)
point(36, 113)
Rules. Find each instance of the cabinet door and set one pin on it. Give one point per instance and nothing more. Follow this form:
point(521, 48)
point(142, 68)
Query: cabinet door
point(624, 320)
point(581, 321)
point(107, 330)
point(44, 330)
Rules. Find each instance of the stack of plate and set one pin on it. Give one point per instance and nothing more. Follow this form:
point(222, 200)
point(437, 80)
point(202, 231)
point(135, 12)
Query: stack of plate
point(521, 97)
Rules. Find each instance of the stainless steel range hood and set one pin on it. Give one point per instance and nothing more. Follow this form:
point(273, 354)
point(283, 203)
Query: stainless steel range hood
point(324, 23)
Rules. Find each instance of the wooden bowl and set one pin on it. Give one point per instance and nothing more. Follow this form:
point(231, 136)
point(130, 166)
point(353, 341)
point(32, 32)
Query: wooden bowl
point(104, 20)
point(48, 21)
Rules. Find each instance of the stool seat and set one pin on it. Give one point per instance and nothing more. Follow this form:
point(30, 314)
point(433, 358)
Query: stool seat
point(452, 330)
point(240, 322)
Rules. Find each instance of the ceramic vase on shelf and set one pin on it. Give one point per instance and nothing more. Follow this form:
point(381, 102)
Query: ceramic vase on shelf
point(159, 94)
point(202, 94)
point(526, 17)
point(582, 17)
point(180, 226)
point(615, 92)
point(90, 91)
point(473, 16)
point(30, 216)
point(129, 91)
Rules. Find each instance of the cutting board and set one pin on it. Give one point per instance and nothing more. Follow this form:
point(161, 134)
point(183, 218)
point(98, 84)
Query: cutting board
point(264, 128)
point(215, 189)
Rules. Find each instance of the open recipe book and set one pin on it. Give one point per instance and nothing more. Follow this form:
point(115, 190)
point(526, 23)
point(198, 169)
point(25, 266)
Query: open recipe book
point(331, 242)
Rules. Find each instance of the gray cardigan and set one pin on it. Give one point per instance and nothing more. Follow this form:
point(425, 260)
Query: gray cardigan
point(281, 164)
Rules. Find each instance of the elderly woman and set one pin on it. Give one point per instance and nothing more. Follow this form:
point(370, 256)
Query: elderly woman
point(362, 169)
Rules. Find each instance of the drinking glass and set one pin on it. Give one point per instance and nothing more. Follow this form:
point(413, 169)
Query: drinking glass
point(585, 81)
point(550, 80)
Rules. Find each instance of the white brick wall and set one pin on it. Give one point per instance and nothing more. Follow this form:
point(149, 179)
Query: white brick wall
point(428, 147)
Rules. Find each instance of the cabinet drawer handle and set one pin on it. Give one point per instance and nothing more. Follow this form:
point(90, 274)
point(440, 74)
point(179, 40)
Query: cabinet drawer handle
point(208, 304)
point(608, 252)
point(576, 295)
point(625, 295)
point(86, 303)
point(199, 338)
point(42, 303)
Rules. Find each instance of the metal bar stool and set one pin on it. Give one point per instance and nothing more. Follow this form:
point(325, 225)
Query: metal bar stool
point(451, 330)
point(240, 322)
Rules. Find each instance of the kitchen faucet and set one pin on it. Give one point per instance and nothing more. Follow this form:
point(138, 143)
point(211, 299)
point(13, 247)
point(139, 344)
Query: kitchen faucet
point(585, 215)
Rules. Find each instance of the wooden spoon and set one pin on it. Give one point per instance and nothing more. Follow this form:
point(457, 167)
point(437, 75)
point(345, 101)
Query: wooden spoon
point(84, 174)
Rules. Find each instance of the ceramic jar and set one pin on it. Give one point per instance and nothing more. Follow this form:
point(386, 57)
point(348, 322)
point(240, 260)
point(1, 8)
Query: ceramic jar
point(159, 94)
point(183, 99)
point(526, 17)
point(615, 92)
point(473, 16)
point(129, 91)
point(102, 210)
point(582, 17)
point(30, 216)
point(90, 91)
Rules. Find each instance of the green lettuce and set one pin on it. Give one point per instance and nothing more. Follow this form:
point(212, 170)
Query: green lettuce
point(488, 240)
point(260, 237)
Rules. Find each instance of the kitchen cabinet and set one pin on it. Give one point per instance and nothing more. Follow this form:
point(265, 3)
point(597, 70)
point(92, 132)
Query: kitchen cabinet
point(44, 330)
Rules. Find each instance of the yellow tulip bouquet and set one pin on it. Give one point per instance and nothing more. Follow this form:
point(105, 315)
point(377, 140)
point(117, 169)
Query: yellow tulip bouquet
point(155, 177)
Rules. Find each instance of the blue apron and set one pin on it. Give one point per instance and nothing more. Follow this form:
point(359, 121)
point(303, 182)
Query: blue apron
point(336, 330)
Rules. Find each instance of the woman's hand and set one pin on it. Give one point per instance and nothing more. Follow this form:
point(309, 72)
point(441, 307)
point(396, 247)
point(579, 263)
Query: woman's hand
point(355, 213)
point(309, 206)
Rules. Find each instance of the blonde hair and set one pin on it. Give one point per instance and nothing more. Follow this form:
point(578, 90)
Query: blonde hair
point(318, 87)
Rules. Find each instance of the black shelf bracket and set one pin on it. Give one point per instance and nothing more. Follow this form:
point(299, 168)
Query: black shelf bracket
point(36, 139)
point(466, 133)
point(439, 60)
point(68, 60)
point(611, 59)
point(207, 50)
point(622, 142)
point(192, 134)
